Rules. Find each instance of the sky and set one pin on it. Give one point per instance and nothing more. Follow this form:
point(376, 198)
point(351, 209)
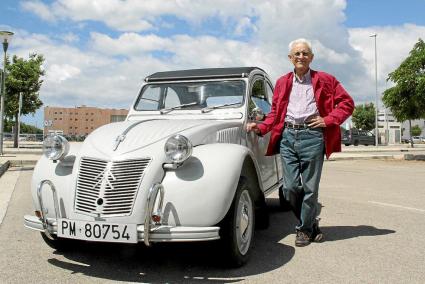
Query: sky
point(97, 52)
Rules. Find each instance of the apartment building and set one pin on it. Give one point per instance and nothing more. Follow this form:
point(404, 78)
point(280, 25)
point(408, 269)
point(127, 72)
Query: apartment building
point(79, 121)
point(390, 130)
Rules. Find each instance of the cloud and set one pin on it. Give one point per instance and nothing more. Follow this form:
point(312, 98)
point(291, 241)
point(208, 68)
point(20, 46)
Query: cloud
point(128, 44)
point(393, 46)
point(40, 9)
point(107, 69)
point(60, 73)
point(136, 16)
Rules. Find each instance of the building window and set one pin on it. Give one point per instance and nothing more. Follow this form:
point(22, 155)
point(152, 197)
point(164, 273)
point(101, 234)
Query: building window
point(56, 112)
point(117, 118)
point(60, 118)
point(56, 118)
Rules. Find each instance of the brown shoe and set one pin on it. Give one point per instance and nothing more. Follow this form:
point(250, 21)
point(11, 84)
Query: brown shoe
point(302, 239)
point(316, 235)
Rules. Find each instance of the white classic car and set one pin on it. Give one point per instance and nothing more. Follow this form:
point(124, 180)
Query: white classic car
point(180, 168)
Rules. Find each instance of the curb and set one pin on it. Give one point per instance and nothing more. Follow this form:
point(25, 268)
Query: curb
point(22, 163)
point(412, 157)
point(406, 157)
point(4, 167)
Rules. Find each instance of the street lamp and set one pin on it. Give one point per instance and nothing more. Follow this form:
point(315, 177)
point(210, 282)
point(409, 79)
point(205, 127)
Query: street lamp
point(376, 93)
point(5, 37)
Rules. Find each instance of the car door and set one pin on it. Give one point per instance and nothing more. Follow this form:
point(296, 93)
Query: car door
point(259, 103)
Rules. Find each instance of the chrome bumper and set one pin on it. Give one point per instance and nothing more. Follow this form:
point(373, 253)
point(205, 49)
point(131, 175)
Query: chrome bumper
point(161, 233)
point(148, 232)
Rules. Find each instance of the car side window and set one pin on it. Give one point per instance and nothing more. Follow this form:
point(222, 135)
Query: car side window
point(269, 92)
point(150, 100)
point(259, 97)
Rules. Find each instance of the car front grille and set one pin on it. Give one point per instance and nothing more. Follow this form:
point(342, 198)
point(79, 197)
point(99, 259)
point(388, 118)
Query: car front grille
point(108, 188)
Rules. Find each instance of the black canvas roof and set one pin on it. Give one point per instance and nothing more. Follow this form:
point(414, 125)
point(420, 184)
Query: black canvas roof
point(207, 73)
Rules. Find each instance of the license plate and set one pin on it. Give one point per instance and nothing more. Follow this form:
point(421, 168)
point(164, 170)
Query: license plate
point(97, 231)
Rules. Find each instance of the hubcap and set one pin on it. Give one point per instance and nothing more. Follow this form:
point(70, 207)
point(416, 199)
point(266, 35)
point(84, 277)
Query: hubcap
point(244, 222)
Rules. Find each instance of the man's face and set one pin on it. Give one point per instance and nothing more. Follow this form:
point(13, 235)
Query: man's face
point(301, 57)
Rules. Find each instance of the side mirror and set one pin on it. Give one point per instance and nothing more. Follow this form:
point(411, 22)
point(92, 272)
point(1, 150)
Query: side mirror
point(257, 114)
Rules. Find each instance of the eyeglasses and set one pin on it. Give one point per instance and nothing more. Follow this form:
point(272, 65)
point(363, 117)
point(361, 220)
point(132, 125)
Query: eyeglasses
point(303, 53)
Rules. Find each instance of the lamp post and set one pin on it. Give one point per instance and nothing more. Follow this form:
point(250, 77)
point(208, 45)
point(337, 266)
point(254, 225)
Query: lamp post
point(376, 93)
point(5, 37)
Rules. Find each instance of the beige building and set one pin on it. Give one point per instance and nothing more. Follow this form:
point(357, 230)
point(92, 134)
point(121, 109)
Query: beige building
point(80, 120)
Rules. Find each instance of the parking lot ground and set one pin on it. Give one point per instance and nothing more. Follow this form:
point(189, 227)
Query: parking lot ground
point(373, 217)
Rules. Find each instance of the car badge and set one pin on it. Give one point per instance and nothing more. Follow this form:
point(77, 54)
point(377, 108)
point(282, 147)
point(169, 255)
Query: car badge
point(118, 140)
point(105, 178)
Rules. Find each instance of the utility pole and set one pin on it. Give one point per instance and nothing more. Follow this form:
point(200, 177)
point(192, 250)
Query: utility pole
point(376, 93)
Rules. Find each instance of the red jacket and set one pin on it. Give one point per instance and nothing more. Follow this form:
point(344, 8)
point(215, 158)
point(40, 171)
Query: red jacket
point(334, 104)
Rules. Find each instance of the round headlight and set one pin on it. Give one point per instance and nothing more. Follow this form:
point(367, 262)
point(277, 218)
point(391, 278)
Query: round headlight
point(178, 148)
point(55, 147)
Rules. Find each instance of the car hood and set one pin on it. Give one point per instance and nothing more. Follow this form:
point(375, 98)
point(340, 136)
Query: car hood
point(124, 137)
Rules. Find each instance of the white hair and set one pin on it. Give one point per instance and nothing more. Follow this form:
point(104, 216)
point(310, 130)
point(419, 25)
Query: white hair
point(300, 40)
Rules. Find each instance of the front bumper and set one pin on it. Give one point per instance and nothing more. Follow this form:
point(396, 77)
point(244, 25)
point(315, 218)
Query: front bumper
point(161, 233)
point(148, 232)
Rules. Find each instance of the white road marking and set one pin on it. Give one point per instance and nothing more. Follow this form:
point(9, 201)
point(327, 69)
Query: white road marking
point(397, 206)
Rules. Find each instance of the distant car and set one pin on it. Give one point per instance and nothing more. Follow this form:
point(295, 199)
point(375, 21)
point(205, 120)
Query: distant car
point(418, 139)
point(357, 137)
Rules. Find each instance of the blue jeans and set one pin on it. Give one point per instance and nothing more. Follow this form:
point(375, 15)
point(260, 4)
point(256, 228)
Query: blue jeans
point(302, 152)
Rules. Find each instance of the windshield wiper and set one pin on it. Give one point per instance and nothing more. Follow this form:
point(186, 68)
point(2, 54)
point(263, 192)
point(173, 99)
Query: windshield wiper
point(167, 110)
point(210, 108)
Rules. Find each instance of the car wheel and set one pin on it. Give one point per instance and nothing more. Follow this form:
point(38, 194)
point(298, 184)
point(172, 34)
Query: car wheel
point(237, 228)
point(356, 143)
point(347, 144)
point(284, 204)
point(56, 243)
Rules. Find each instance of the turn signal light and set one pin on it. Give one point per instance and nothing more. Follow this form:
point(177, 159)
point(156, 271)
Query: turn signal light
point(156, 218)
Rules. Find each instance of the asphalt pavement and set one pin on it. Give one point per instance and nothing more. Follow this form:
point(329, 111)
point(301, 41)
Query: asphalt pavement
point(372, 216)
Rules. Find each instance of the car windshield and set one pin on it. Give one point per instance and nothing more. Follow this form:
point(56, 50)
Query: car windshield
point(191, 95)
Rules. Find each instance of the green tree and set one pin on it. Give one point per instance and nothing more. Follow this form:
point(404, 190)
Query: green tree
point(364, 117)
point(25, 128)
point(416, 130)
point(23, 77)
point(407, 98)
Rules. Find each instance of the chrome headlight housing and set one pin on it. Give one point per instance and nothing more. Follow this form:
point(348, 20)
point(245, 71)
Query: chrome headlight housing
point(178, 148)
point(55, 147)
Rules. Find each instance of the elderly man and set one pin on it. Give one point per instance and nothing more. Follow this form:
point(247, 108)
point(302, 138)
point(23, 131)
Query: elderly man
point(308, 108)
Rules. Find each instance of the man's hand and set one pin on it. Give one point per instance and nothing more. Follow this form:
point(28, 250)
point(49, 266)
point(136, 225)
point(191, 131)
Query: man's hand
point(318, 121)
point(252, 126)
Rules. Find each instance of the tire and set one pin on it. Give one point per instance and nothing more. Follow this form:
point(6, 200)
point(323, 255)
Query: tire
point(347, 144)
point(56, 243)
point(284, 204)
point(237, 228)
point(356, 143)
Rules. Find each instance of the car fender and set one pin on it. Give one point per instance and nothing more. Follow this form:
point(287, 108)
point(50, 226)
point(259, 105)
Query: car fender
point(60, 173)
point(200, 192)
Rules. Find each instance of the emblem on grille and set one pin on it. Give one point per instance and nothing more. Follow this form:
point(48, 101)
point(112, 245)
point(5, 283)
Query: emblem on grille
point(104, 183)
